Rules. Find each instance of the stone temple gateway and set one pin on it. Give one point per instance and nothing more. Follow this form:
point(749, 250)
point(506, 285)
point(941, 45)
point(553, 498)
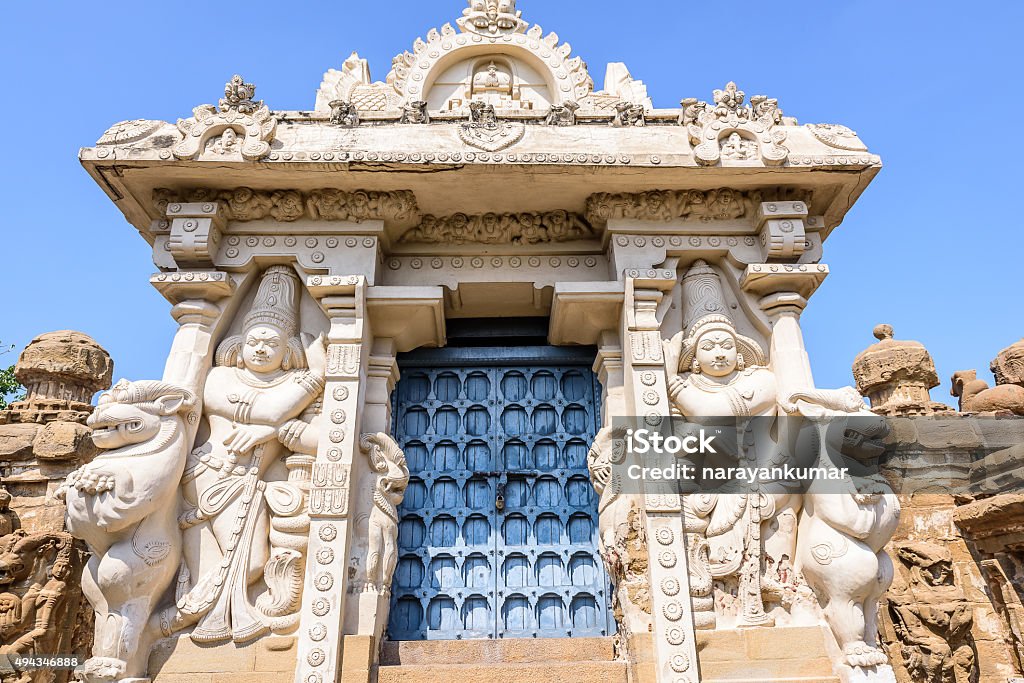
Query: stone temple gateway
point(382, 446)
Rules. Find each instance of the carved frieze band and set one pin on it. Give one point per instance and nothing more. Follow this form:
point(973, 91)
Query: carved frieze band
point(697, 205)
point(506, 228)
point(245, 204)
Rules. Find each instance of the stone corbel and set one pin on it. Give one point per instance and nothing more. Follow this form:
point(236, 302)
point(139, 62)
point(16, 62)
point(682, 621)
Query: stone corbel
point(343, 299)
point(413, 317)
point(582, 311)
point(196, 229)
point(781, 228)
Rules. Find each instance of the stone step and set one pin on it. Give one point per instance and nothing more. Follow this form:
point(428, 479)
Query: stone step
point(812, 679)
point(513, 650)
point(503, 672)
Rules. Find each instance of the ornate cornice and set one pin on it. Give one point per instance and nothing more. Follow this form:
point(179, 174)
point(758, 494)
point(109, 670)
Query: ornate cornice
point(506, 228)
point(698, 205)
point(245, 204)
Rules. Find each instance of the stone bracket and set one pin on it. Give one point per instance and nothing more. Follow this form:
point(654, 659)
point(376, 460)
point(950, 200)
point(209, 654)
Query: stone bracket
point(196, 229)
point(781, 227)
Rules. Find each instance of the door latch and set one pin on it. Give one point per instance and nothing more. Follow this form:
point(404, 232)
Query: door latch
point(499, 498)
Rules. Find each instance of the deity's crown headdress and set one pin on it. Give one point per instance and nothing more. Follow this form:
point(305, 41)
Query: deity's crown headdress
point(277, 301)
point(704, 310)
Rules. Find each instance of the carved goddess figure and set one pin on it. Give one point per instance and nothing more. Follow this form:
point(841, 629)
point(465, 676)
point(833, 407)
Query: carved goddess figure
point(243, 486)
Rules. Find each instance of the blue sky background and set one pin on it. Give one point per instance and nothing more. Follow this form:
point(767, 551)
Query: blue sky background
point(933, 247)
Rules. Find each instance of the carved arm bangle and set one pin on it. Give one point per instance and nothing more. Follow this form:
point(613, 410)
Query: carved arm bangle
point(311, 383)
point(290, 433)
point(675, 386)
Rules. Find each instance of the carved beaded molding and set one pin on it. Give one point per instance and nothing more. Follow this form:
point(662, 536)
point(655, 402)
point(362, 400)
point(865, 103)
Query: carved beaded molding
point(491, 228)
point(700, 205)
point(245, 204)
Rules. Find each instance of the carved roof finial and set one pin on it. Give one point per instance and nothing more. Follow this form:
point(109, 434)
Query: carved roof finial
point(238, 96)
point(882, 332)
point(492, 17)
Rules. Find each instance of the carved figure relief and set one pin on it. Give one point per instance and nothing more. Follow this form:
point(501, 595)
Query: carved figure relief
point(388, 461)
point(39, 597)
point(622, 534)
point(485, 131)
point(756, 127)
point(415, 112)
point(237, 111)
point(245, 484)
point(344, 114)
point(841, 537)
point(491, 228)
point(124, 504)
point(562, 114)
point(629, 115)
point(931, 616)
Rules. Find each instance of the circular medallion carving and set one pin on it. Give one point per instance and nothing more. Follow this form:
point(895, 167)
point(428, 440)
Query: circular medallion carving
point(672, 610)
point(323, 581)
point(664, 535)
point(316, 657)
point(337, 435)
point(667, 559)
point(340, 393)
point(321, 607)
point(651, 397)
point(338, 416)
point(317, 632)
point(648, 379)
point(679, 662)
point(314, 678)
point(670, 586)
point(328, 533)
point(334, 455)
point(325, 556)
point(675, 636)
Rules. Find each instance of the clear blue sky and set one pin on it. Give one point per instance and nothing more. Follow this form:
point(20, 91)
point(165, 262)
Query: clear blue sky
point(933, 247)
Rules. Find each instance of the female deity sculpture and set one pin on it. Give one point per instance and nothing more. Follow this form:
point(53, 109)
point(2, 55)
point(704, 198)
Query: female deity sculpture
point(245, 484)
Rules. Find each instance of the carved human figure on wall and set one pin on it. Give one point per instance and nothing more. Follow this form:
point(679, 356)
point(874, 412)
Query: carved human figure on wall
point(931, 616)
point(722, 374)
point(245, 514)
point(734, 147)
point(392, 478)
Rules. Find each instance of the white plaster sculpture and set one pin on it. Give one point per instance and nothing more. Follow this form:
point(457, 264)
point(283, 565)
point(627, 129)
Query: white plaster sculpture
point(840, 549)
point(124, 505)
point(727, 378)
point(388, 461)
point(245, 484)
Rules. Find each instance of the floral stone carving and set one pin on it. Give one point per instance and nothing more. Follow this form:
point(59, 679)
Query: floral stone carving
point(237, 111)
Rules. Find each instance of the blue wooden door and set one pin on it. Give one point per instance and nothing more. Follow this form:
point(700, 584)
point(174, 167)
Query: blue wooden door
point(498, 530)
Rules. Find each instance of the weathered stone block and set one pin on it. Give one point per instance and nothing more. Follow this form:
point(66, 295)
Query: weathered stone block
point(182, 656)
point(16, 441)
point(64, 441)
point(276, 653)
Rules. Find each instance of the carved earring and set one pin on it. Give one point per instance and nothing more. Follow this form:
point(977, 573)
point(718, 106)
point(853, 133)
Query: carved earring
point(741, 364)
point(695, 367)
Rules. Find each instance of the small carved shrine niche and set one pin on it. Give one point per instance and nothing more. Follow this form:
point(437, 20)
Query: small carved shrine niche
point(506, 84)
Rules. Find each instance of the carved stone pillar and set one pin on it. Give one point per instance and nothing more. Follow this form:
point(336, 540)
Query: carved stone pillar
point(783, 291)
point(323, 601)
point(194, 296)
point(646, 397)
